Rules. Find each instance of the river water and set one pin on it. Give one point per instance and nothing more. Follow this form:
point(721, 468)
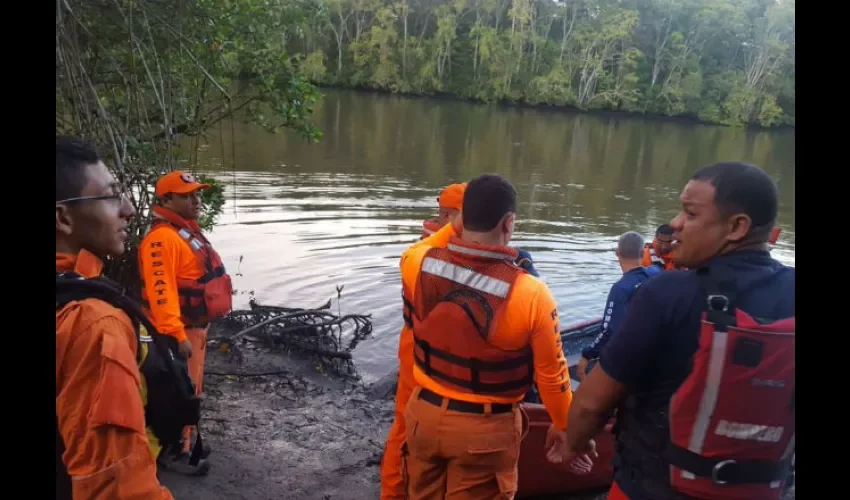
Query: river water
point(302, 219)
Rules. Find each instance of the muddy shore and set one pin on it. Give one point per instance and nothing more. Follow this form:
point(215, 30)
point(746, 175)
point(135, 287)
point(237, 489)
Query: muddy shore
point(282, 428)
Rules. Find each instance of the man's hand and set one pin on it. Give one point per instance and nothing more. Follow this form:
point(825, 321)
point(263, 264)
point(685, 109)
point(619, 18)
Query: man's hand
point(556, 444)
point(185, 348)
point(581, 465)
point(558, 452)
point(582, 366)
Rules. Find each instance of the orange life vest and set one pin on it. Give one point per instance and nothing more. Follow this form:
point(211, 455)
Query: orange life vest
point(429, 227)
point(651, 257)
point(460, 292)
point(209, 297)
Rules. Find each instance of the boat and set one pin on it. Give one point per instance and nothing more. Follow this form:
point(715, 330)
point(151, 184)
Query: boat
point(538, 476)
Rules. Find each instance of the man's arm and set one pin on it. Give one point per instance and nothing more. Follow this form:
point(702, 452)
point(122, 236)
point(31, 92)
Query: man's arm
point(114, 455)
point(550, 366)
point(159, 261)
point(615, 308)
point(623, 361)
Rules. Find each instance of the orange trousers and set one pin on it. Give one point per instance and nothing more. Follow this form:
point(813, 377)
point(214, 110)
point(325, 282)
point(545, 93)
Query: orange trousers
point(460, 456)
point(392, 482)
point(615, 493)
point(198, 339)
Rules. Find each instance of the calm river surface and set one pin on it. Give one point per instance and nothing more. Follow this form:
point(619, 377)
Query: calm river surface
point(301, 219)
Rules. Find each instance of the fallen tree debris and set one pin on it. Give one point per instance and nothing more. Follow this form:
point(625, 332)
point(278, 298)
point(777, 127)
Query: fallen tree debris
point(316, 333)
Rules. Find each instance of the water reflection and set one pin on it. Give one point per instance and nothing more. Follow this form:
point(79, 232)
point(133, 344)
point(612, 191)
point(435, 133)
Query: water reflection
point(309, 217)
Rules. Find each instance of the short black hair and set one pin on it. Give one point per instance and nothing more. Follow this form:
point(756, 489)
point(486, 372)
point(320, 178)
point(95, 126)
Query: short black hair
point(664, 230)
point(486, 200)
point(742, 188)
point(73, 155)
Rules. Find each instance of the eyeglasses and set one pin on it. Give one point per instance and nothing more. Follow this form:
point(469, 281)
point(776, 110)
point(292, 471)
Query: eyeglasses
point(120, 197)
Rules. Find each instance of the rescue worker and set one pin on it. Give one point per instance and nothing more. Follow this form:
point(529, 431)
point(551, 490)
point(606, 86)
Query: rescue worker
point(483, 331)
point(392, 482)
point(102, 445)
point(185, 285)
point(629, 250)
point(705, 391)
point(450, 204)
point(659, 252)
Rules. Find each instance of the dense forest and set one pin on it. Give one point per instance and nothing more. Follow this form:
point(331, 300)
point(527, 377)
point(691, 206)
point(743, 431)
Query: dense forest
point(721, 61)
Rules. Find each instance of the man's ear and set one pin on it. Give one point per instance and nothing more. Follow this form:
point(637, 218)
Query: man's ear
point(739, 227)
point(508, 222)
point(64, 221)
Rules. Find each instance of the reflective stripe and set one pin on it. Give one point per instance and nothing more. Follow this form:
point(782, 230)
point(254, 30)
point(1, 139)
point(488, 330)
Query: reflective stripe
point(479, 253)
point(467, 277)
point(427, 231)
point(709, 397)
point(193, 242)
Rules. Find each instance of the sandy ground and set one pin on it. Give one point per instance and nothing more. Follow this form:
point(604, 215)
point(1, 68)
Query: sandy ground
point(296, 434)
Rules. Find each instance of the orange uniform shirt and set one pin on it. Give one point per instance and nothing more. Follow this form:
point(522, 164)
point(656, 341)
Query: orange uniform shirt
point(98, 402)
point(530, 317)
point(165, 257)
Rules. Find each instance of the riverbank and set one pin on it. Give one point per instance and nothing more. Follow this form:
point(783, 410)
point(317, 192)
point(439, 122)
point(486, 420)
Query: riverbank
point(281, 428)
point(682, 119)
point(296, 434)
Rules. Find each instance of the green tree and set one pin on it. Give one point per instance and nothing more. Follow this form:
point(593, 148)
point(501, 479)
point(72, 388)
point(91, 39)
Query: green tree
point(650, 56)
point(145, 80)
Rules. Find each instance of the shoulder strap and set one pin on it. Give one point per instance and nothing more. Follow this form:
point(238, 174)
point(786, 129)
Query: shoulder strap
point(721, 296)
point(197, 236)
point(71, 287)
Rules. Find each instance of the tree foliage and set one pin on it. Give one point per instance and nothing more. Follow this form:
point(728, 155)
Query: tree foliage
point(145, 80)
point(724, 61)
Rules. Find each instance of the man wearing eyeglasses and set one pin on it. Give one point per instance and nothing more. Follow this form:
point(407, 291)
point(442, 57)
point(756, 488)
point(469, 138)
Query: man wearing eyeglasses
point(102, 447)
point(185, 285)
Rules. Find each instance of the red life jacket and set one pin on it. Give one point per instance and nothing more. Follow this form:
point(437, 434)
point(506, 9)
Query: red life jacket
point(774, 234)
point(460, 293)
point(429, 227)
point(209, 297)
point(732, 420)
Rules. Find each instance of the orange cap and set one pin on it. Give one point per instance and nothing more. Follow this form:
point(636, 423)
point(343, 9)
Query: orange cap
point(178, 182)
point(452, 196)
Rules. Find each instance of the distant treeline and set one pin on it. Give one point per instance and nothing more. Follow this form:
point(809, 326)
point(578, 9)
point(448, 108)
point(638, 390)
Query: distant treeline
point(721, 61)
